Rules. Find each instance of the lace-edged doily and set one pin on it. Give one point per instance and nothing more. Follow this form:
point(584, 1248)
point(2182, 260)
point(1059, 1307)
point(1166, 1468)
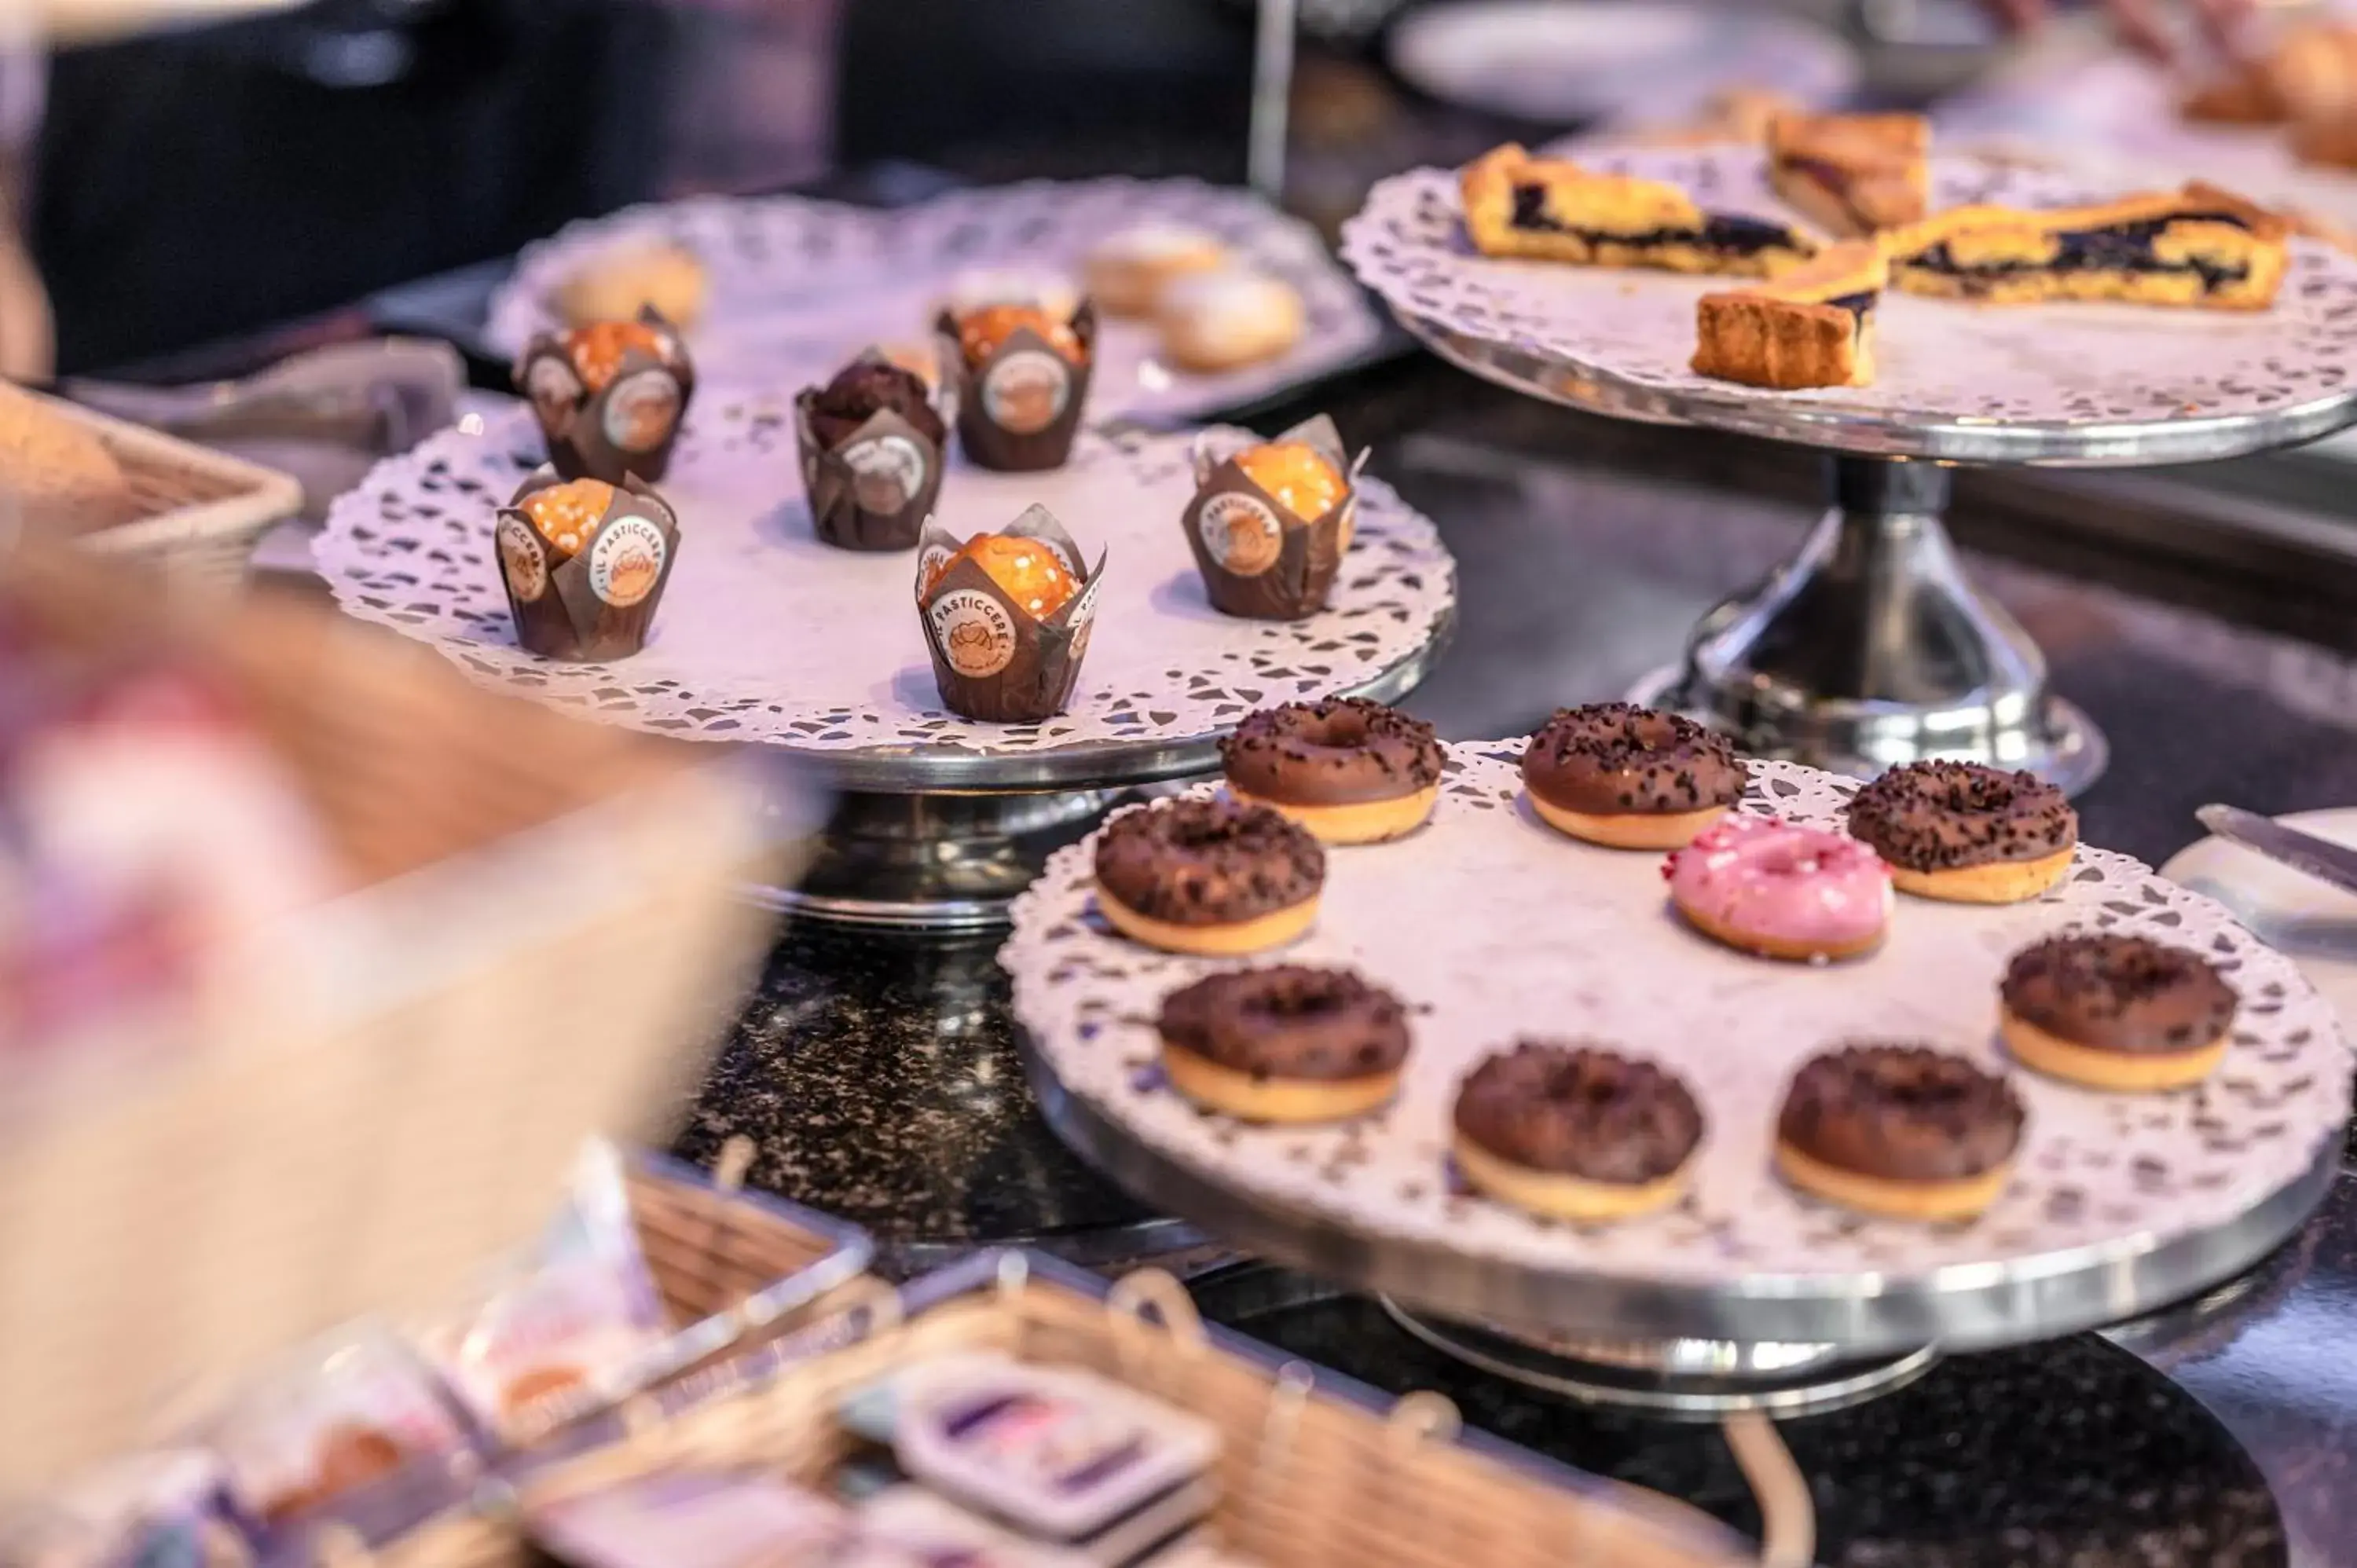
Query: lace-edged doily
point(765, 634)
point(1491, 926)
point(798, 286)
point(2058, 364)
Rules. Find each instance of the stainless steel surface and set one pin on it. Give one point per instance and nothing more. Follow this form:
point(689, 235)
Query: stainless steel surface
point(1674, 1380)
point(2304, 852)
point(2009, 1302)
point(1870, 647)
point(1272, 97)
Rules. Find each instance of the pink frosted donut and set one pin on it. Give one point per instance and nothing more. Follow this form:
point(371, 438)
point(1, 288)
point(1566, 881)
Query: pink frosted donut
point(1773, 888)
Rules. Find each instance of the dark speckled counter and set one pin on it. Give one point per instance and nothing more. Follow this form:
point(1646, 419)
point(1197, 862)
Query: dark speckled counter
point(879, 1078)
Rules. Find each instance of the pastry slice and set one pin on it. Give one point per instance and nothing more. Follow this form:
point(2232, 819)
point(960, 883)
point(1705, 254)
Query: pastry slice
point(1853, 174)
point(2199, 247)
point(1516, 205)
point(1812, 328)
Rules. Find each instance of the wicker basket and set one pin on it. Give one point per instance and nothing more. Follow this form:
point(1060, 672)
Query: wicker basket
point(1315, 1470)
point(197, 513)
point(366, 1104)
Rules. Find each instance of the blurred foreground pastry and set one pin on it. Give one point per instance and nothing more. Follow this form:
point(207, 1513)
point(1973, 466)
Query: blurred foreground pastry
point(617, 288)
point(56, 473)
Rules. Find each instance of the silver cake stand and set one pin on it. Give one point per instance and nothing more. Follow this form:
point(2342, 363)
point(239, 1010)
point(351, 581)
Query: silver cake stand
point(1776, 1344)
point(1872, 646)
point(939, 838)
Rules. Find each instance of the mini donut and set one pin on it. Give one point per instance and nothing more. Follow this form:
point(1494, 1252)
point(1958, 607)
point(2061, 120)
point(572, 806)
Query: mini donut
point(1575, 1132)
point(1615, 774)
point(1350, 770)
point(1214, 877)
point(1771, 888)
point(1127, 272)
point(1286, 1044)
point(2116, 1012)
point(1967, 833)
point(618, 286)
point(1225, 320)
point(1902, 1131)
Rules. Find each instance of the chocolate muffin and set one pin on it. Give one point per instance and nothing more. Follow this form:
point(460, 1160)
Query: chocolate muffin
point(866, 388)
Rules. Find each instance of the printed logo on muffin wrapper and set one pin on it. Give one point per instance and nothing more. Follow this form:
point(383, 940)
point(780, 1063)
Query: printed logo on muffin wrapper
point(974, 632)
point(642, 409)
point(1026, 390)
point(626, 561)
point(888, 470)
point(1241, 532)
point(932, 560)
point(554, 389)
point(522, 561)
point(1084, 619)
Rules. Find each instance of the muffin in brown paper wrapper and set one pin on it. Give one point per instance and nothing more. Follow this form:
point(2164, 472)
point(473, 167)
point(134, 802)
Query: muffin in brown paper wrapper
point(873, 486)
point(1258, 560)
point(1018, 410)
point(626, 427)
point(993, 659)
point(598, 601)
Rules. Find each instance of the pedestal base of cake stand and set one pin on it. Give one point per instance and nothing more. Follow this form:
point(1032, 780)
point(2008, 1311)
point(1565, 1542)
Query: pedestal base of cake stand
point(1674, 1380)
point(1872, 647)
point(944, 863)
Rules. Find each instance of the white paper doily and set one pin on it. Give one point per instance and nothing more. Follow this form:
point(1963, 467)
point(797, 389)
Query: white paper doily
point(2059, 364)
point(1492, 926)
point(798, 286)
point(766, 634)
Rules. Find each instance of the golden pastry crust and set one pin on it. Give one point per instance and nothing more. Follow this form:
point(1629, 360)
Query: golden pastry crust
point(1813, 328)
point(1853, 174)
point(2202, 246)
point(1554, 209)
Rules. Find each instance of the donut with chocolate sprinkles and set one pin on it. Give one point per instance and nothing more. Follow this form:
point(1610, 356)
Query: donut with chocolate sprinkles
point(1285, 1044)
point(1350, 770)
point(1965, 832)
point(2116, 1011)
point(1903, 1130)
point(1215, 877)
point(1574, 1131)
point(1632, 778)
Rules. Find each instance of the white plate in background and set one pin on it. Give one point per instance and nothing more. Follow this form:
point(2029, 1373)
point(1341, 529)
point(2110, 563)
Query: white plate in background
point(2313, 923)
point(1563, 61)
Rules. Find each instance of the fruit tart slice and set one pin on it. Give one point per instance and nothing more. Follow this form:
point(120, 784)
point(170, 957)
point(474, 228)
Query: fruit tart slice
point(2200, 247)
point(1853, 174)
point(1516, 205)
point(1812, 328)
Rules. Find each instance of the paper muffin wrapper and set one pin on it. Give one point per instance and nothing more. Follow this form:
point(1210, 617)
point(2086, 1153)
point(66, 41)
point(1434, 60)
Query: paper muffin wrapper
point(626, 428)
point(1258, 560)
point(874, 489)
point(1019, 409)
point(599, 602)
point(993, 659)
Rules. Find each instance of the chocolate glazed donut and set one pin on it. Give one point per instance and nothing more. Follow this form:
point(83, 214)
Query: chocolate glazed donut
point(1615, 774)
point(1964, 832)
point(1904, 1130)
point(2116, 1012)
point(1350, 770)
point(1575, 1131)
point(1214, 877)
point(1286, 1044)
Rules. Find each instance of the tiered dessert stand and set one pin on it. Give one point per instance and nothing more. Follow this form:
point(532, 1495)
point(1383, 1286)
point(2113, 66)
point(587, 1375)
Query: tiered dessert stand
point(767, 636)
point(1745, 1294)
point(1872, 646)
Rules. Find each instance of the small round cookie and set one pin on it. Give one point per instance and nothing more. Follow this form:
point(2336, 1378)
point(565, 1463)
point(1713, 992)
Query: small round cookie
point(1967, 833)
point(1575, 1132)
point(617, 286)
point(1225, 320)
point(1127, 272)
point(1770, 887)
point(2116, 1011)
point(1615, 774)
point(1286, 1044)
point(1218, 878)
point(1350, 770)
point(1902, 1131)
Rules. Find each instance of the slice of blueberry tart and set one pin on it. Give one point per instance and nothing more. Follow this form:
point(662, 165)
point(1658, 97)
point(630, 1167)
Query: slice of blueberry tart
point(2200, 247)
point(1812, 328)
point(1551, 209)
